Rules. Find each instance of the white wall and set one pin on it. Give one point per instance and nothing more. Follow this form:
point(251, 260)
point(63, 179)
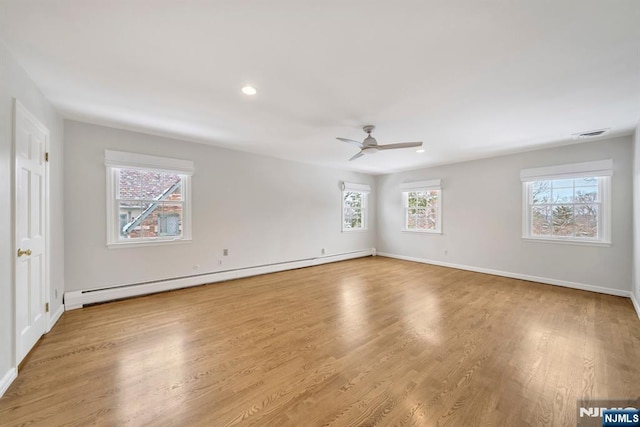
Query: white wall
point(636, 218)
point(14, 83)
point(482, 218)
point(263, 210)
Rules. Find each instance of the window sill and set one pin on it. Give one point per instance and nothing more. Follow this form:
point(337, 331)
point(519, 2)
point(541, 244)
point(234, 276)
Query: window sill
point(122, 245)
point(406, 230)
point(568, 242)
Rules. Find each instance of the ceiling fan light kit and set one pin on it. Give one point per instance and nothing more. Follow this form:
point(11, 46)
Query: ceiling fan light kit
point(370, 145)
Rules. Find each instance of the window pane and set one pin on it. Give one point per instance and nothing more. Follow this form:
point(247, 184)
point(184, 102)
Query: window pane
point(586, 220)
point(172, 187)
point(562, 183)
point(412, 199)
point(562, 195)
point(432, 197)
point(540, 192)
point(127, 211)
point(411, 220)
point(129, 184)
point(541, 221)
point(123, 220)
point(151, 185)
point(148, 222)
point(353, 209)
point(135, 184)
point(352, 199)
point(160, 220)
point(134, 212)
point(586, 182)
point(421, 219)
point(170, 220)
point(563, 222)
point(586, 194)
point(432, 219)
point(352, 218)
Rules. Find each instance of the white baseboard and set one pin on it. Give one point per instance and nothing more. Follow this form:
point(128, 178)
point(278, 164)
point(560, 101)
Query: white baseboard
point(636, 304)
point(12, 374)
point(545, 280)
point(76, 299)
point(53, 319)
point(6, 381)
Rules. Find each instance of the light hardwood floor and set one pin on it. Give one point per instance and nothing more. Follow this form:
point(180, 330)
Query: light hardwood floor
point(372, 341)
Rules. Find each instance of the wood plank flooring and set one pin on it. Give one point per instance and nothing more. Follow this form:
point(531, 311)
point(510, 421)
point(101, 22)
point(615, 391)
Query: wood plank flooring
point(372, 341)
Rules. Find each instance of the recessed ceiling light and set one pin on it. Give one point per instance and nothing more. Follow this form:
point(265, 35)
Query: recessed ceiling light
point(420, 150)
point(249, 90)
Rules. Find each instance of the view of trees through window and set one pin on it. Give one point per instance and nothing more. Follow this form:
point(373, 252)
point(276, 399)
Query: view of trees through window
point(565, 207)
point(150, 204)
point(421, 210)
point(353, 210)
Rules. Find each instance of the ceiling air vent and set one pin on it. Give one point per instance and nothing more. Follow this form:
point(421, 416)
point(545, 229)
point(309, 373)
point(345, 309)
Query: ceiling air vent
point(591, 133)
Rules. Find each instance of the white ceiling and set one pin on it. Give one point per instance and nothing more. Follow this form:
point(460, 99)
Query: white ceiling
point(469, 78)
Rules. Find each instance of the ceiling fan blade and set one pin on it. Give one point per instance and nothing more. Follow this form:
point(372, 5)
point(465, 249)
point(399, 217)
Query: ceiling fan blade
point(360, 154)
point(399, 145)
point(351, 141)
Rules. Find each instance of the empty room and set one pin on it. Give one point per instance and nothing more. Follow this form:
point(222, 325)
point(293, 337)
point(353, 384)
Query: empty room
point(339, 213)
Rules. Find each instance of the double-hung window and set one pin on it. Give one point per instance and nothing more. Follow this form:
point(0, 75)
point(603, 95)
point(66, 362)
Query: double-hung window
point(568, 203)
point(354, 206)
point(148, 199)
point(422, 206)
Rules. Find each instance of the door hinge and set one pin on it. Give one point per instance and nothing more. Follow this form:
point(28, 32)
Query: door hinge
point(46, 157)
point(46, 307)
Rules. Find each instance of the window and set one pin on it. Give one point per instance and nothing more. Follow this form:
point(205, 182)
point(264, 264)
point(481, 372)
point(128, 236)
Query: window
point(422, 206)
point(568, 203)
point(354, 206)
point(147, 199)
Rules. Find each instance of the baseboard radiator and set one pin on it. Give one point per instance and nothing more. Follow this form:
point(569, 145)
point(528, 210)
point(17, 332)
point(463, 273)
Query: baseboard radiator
point(77, 299)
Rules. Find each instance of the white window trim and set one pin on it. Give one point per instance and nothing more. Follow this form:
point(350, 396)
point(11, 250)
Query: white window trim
point(603, 169)
point(365, 189)
point(430, 185)
point(123, 160)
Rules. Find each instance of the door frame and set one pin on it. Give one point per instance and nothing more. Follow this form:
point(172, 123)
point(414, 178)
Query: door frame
point(18, 107)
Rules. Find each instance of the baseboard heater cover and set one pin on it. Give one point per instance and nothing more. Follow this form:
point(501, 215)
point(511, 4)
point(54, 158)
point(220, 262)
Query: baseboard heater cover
point(77, 299)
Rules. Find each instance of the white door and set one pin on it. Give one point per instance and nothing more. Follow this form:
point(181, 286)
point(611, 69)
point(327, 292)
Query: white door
point(31, 141)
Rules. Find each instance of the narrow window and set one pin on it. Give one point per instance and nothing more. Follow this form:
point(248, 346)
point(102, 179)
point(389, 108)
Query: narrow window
point(354, 206)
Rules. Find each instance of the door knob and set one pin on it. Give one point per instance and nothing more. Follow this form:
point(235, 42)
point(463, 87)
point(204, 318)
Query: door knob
point(21, 252)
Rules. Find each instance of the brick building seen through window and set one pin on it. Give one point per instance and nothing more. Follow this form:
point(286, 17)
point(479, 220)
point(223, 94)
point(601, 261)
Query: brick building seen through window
point(150, 204)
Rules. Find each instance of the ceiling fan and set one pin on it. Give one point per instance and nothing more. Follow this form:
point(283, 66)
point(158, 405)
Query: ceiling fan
point(370, 145)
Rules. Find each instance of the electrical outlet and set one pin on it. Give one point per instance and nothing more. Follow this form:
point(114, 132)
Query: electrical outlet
point(196, 266)
point(55, 293)
point(446, 252)
point(225, 252)
point(219, 262)
point(323, 251)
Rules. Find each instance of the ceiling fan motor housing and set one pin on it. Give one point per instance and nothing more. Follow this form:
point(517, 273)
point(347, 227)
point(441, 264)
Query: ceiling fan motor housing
point(369, 141)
